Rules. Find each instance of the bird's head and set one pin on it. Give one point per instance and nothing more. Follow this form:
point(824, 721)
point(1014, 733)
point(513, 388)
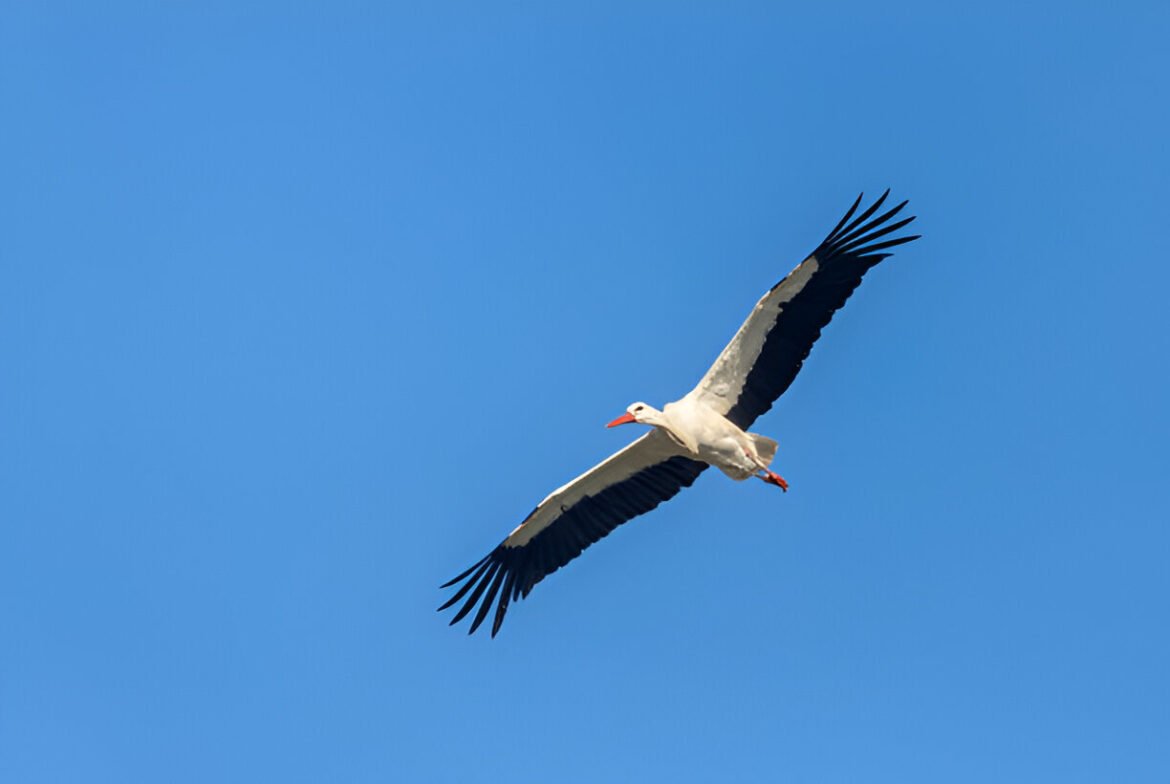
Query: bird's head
point(637, 412)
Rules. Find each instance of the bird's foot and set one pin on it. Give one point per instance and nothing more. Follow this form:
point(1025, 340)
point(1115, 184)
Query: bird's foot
point(775, 479)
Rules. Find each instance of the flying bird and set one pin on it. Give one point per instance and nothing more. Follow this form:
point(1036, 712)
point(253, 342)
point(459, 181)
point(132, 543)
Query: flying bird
point(706, 427)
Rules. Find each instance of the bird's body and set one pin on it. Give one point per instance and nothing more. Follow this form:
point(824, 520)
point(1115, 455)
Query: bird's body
point(707, 427)
point(704, 434)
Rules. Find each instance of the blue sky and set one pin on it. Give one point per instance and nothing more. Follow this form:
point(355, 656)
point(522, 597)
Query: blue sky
point(302, 309)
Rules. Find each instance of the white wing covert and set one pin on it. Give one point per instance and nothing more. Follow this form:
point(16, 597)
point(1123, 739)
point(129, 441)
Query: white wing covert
point(755, 368)
point(629, 483)
point(767, 352)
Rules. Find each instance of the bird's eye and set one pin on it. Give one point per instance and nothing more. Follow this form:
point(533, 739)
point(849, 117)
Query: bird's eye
point(639, 408)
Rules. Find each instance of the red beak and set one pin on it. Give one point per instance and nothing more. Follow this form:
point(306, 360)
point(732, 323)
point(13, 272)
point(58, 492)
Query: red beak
point(624, 419)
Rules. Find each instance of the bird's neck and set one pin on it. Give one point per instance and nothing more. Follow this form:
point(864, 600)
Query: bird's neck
point(678, 435)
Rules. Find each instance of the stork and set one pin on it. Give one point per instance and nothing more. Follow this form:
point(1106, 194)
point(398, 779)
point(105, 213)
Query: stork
point(706, 427)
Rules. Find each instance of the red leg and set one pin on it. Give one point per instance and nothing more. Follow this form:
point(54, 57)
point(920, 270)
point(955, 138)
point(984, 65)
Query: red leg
point(775, 479)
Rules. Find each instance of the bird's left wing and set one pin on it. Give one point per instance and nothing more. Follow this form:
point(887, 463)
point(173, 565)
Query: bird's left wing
point(629, 483)
point(767, 352)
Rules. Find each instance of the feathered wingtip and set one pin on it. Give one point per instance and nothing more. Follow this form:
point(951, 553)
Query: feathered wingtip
point(488, 575)
point(851, 237)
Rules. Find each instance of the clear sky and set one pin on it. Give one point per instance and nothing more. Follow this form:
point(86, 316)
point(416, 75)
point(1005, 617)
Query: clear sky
point(302, 309)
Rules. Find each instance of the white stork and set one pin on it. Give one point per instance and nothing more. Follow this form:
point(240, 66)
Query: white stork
point(707, 427)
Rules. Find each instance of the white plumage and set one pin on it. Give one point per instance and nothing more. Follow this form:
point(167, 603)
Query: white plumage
point(706, 427)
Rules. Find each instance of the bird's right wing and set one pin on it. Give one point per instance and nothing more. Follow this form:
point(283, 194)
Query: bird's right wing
point(629, 483)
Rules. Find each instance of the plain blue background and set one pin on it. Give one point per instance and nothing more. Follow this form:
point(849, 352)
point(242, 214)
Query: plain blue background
point(301, 310)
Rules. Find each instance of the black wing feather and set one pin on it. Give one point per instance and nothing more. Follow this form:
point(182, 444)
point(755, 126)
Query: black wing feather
point(517, 569)
point(842, 259)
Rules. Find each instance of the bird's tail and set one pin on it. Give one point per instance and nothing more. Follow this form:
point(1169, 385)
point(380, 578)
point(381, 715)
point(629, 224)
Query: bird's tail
point(765, 447)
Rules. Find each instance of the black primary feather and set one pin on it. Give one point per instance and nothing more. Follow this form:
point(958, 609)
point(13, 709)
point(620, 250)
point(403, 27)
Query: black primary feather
point(843, 257)
point(518, 569)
